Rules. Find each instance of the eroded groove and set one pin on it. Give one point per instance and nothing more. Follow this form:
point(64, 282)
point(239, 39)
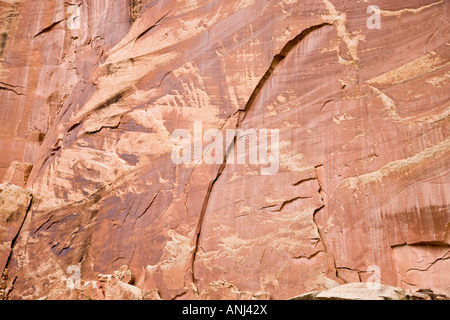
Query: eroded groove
point(49, 28)
point(288, 47)
point(150, 28)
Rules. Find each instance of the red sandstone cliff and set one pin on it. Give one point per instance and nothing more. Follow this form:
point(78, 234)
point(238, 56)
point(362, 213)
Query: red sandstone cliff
point(86, 117)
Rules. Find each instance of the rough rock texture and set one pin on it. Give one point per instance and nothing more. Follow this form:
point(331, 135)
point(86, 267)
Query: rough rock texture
point(222, 290)
point(366, 291)
point(120, 286)
point(363, 179)
point(14, 204)
point(116, 286)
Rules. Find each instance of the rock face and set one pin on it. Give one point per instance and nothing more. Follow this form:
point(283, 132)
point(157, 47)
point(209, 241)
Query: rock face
point(91, 93)
point(14, 204)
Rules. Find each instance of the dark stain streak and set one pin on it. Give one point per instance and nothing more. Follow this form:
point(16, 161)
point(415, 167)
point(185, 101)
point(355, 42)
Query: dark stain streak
point(114, 99)
point(3, 39)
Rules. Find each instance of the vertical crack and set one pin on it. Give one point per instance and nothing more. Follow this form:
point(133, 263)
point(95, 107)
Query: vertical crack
point(13, 242)
point(11, 90)
point(323, 195)
point(242, 113)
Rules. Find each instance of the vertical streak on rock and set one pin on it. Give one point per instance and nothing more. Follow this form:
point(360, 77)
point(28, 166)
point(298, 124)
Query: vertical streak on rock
point(242, 113)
